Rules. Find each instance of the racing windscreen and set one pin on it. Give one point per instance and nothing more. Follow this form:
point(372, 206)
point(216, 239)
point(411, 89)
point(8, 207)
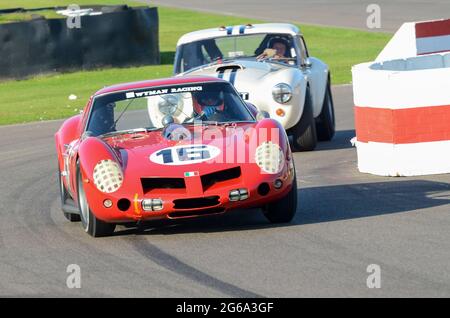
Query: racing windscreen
point(153, 107)
point(252, 47)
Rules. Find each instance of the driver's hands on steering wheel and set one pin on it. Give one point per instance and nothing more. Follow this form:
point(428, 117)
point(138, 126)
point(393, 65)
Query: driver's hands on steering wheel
point(272, 54)
point(209, 111)
point(268, 53)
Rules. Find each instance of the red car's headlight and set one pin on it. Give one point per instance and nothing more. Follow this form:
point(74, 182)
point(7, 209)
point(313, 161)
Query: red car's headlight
point(108, 176)
point(269, 157)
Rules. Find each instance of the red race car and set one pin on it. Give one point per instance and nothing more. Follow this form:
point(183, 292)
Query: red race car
point(172, 148)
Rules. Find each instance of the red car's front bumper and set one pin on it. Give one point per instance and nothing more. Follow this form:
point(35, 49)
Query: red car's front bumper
point(184, 203)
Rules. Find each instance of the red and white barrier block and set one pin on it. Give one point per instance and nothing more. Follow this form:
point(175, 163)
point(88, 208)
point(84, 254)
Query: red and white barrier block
point(402, 105)
point(418, 38)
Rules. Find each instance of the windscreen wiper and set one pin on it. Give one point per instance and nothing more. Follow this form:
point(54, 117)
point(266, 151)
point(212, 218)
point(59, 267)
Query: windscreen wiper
point(127, 131)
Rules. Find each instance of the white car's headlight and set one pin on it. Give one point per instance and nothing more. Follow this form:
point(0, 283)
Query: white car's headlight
point(169, 104)
point(282, 93)
point(108, 176)
point(269, 157)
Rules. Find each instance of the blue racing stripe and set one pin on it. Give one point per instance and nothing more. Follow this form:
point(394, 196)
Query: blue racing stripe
point(233, 75)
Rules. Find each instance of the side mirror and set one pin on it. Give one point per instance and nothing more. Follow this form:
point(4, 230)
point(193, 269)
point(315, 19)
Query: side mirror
point(262, 114)
point(87, 134)
point(307, 63)
point(252, 108)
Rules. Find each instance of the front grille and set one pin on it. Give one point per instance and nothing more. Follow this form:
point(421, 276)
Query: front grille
point(208, 180)
point(195, 213)
point(149, 184)
point(196, 202)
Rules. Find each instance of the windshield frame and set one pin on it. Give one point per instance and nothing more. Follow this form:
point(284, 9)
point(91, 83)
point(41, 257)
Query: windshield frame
point(180, 48)
point(96, 97)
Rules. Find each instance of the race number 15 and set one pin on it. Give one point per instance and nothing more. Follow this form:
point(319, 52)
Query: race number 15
point(188, 153)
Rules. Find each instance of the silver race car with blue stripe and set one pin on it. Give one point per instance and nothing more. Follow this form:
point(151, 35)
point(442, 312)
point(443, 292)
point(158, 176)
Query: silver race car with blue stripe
point(270, 67)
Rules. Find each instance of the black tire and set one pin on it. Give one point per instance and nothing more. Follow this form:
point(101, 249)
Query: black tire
point(326, 122)
point(304, 132)
point(64, 195)
point(283, 210)
point(91, 225)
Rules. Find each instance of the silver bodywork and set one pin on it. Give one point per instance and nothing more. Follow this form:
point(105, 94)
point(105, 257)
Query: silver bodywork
point(255, 79)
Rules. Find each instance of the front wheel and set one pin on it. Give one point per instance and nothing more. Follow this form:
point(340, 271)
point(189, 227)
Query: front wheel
point(91, 225)
point(304, 132)
point(64, 197)
point(283, 210)
point(326, 122)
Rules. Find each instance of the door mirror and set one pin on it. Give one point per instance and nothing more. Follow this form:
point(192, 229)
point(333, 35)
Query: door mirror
point(262, 114)
point(87, 134)
point(306, 63)
point(252, 108)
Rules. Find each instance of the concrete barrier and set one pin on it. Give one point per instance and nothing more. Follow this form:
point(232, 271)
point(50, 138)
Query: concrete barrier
point(402, 105)
point(418, 38)
point(117, 36)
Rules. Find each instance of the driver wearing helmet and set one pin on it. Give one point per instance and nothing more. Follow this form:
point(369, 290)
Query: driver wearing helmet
point(280, 46)
point(277, 48)
point(209, 105)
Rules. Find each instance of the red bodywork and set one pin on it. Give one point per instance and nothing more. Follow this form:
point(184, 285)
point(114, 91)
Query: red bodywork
point(132, 151)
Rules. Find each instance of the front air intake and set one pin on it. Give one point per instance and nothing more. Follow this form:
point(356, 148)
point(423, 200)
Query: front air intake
point(196, 213)
point(208, 180)
point(196, 203)
point(229, 67)
point(149, 184)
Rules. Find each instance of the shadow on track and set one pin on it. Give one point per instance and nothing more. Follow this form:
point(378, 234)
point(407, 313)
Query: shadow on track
point(341, 202)
point(315, 205)
point(341, 140)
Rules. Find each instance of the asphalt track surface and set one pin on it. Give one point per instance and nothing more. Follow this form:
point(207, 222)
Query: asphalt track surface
point(344, 13)
point(345, 221)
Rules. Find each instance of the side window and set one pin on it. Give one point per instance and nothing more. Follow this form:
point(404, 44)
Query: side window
point(84, 116)
point(303, 47)
point(206, 57)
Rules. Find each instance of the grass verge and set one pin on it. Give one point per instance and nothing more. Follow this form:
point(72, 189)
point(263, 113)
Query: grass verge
point(46, 97)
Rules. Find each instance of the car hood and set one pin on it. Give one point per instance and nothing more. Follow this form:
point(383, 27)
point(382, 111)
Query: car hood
point(244, 70)
point(135, 151)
